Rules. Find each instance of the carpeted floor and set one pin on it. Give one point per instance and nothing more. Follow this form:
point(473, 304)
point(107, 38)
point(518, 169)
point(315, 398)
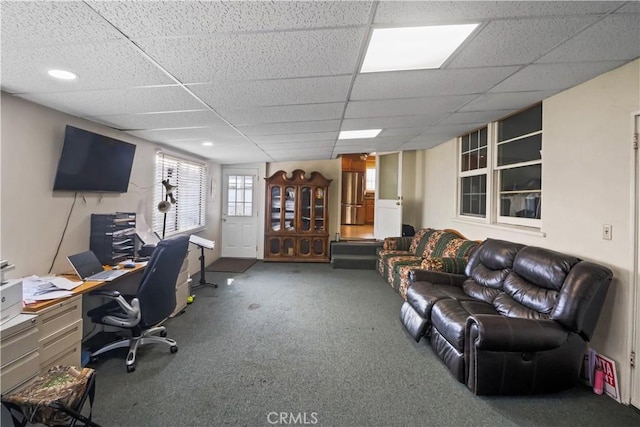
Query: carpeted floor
point(289, 343)
point(231, 265)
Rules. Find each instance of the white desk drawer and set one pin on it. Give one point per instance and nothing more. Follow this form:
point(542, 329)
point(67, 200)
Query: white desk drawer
point(70, 356)
point(53, 345)
point(182, 293)
point(20, 371)
point(19, 343)
point(56, 317)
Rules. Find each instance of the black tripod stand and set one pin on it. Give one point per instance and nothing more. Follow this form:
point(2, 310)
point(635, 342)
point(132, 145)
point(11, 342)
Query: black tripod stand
point(202, 243)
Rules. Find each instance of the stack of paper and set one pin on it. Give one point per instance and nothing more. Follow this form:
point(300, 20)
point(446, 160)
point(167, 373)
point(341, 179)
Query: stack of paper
point(36, 288)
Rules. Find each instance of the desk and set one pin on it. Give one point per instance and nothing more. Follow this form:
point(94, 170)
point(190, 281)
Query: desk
point(60, 323)
point(86, 287)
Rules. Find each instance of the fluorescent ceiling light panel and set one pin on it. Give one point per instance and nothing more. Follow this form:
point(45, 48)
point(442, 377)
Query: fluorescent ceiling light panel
point(359, 134)
point(62, 74)
point(413, 48)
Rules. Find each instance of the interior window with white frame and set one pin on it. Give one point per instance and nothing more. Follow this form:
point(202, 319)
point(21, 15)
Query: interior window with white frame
point(189, 179)
point(473, 174)
point(518, 168)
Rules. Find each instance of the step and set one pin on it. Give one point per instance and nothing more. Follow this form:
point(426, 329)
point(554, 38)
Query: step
point(355, 248)
point(354, 262)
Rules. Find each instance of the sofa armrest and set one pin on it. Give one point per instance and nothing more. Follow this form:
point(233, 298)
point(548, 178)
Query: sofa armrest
point(436, 277)
point(397, 243)
point(492, 332)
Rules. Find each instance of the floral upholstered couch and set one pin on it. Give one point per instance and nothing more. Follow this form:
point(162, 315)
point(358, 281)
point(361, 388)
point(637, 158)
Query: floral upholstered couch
point(429, 249)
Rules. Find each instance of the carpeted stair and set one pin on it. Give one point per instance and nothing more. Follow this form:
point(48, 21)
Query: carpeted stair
point(353, 254)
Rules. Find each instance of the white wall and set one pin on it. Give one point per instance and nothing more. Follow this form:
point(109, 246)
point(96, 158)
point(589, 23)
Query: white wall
point(586, 182)
point(33, 217)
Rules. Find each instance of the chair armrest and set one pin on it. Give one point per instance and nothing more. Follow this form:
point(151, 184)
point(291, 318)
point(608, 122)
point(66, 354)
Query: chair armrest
point(104, 293)
point(492, 332)
point(436, 277)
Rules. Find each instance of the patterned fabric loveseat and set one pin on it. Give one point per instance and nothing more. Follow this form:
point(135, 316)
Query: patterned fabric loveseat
point(429, 249)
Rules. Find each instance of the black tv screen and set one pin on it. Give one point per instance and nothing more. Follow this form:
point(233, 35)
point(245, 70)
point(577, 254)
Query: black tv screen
point(92, 162)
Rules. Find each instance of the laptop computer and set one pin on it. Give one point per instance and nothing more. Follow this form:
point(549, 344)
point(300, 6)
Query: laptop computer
point(88, 267)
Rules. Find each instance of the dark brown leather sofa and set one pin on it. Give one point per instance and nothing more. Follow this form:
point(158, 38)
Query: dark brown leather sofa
point(516, 322)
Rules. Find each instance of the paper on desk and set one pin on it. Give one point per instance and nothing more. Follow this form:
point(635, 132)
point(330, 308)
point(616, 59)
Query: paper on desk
point(35, 288)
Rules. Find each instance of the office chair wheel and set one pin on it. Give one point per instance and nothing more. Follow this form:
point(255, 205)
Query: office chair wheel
point(131, 368)
point(163, 334)
point(93, 359)
point(174, 349)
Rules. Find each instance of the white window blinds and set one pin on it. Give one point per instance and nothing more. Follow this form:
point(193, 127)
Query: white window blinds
point(189, 178)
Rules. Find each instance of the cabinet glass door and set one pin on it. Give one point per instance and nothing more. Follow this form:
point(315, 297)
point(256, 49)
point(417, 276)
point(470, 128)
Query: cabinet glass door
point(319, 209)
point(290, 209)
point(306, 213)
point(276, 209)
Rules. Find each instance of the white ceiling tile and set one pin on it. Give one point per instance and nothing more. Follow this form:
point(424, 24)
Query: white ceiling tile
point(218, 133)
point(404, 131)
point(481, 117)
point(406, 106)
point(613, 38)
point(290, 127)
point(255, 56)
point(538, 77)
point(274, 92)
point(47, 23)
point(283, 113)
point(136, 100)
point(293, 137)
point(411, 84)
point(391, 122)
point(506, 101)
point(451, 12)
point(516, 41)
point(111, 65)
point(161, 120)
point(149, 19)
point(630, 7)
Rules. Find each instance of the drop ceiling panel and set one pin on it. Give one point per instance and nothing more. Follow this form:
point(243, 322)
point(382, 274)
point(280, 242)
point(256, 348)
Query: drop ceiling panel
point(283, 113)
point(391, 122)
point(537, 77)
point(290, 127)
point(111, 65)
point(613, 38)
point(44, 23)
point(517, 42)
point(452, 12)
point(103, 102)
point(407, 106)
point(507, 101)
point(474, 117)
point(255, 56)
point(293, 137)
point(405, 131)
point(161, 120)
point(274, 92)
point(411, 84)
point(219, 133)
point(149, 19)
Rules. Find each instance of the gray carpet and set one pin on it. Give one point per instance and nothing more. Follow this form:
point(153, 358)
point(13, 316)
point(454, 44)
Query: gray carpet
point(320, 345)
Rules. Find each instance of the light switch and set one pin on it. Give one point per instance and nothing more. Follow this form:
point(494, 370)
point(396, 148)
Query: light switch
point(606, 231)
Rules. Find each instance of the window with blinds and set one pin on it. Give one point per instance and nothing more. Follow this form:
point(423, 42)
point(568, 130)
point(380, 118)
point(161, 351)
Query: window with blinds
point(189, 178)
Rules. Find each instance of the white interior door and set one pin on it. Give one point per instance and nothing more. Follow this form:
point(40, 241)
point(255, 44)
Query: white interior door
point(388, 204)
point(635, 314)
point(240, 213)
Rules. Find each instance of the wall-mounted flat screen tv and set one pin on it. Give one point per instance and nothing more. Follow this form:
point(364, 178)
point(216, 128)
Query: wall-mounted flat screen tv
point(94, 163)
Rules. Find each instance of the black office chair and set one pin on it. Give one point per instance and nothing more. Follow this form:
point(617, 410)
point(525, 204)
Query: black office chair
point(152, 305)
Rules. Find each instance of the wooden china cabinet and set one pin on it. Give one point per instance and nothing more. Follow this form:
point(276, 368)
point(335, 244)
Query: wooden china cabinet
point(297, 217)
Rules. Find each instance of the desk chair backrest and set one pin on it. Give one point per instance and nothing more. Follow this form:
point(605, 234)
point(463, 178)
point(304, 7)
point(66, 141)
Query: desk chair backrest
point(157, 290)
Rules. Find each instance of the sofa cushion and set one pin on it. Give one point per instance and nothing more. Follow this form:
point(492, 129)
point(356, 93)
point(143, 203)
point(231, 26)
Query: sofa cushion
point(445, 264)
point(543, 267)
point(449, 317)
point(420, 240)
point(494, 254)
point(394, 263)
point(480, 291)
point(423, 295)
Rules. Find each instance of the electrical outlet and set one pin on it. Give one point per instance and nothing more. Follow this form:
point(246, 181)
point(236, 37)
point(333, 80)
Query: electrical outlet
point(606, 231)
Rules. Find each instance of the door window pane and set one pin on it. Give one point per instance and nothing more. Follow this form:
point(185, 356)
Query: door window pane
point(240, 195)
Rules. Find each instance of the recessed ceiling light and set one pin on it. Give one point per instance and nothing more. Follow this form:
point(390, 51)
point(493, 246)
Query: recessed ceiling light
point(62, 74)
point(413, 48)
point(357, 134)
point(207, 143)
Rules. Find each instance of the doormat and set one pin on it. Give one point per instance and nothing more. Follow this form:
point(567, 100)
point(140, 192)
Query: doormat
point(232, 265)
